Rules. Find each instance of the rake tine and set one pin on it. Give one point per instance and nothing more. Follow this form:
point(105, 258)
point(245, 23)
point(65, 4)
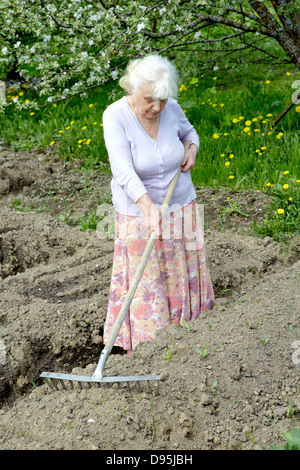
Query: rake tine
point(138, 387)
point(63, 385)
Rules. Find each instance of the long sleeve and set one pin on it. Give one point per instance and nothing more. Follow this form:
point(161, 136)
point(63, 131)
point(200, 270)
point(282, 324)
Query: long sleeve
point(186, 130)
point(120, 157)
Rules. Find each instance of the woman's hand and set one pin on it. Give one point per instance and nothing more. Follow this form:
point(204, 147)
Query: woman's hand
point(189, 158)
point(152, 219)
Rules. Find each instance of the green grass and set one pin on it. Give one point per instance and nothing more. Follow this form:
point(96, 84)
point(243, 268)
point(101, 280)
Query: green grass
point(232, 115)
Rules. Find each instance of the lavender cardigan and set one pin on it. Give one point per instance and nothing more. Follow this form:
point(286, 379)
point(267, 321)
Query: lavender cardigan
point(141, 164)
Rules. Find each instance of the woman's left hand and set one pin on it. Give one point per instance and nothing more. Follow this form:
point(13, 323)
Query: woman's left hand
point(189, 158)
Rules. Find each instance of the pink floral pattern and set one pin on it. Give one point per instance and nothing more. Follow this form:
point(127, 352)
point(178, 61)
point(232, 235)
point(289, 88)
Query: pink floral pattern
point(175, 285)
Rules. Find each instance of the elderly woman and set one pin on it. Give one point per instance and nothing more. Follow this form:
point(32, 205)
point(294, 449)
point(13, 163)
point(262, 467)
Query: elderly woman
point(144, 133)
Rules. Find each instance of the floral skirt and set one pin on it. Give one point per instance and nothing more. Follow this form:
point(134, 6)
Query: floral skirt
point(176, 284)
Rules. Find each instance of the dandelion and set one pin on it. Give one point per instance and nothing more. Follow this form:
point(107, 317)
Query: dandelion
point(222, 154)
point(286, 172)
point(268, 185)
point(31, 114)
point(267, 82)
point(91, 105)
point(279, 135)
point(254, 119)
point(226, 133)
point(101, 124)
point(231, 177)
point(215, 78)
point(269, 115)
point(297, 109)
point(216, 136)
point(248, 123)
point(234, 120)
point(297, 181)
point(222, 104)
point(21, 93)
point(247, 129)
point(231, 156)
point(79, 146)
point(182, 88)
point(60, 132)
point(263, 148)
point(94, 123)
point(288, 73)
point(68, 128)
point(54, 105)
point(280, 211)
point(290, 198)
point(27, 101)
point(285, 186)
point(72, 122)
point(256, 130)
point(53, 142)
point(227, 163)
point(84, 127)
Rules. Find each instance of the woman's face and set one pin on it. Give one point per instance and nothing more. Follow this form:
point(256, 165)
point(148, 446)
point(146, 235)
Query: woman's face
point(146, 107)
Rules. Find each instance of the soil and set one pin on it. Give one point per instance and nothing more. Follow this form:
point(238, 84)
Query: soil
point(229, 380)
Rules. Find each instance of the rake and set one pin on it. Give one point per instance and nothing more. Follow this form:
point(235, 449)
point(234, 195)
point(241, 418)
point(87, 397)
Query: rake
point(97, 377)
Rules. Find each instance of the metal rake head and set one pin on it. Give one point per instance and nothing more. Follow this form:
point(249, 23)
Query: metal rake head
point(53, 379)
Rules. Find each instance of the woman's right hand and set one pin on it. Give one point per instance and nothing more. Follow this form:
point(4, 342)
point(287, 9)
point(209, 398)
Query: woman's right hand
point(152, 219)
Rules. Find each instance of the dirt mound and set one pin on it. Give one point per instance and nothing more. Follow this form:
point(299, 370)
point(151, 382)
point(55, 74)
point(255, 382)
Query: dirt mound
point(229, 379)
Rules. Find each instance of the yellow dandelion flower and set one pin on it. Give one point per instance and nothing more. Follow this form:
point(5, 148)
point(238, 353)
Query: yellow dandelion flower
point(247, 129)
point(91, 105)
point(84, 127)
point(94, 123)
point(216, 136)
point(286, 172)
point(297, 181)
point(288, 73)
point(227, 163)
point(234, 120)
point(280, 211)
point(68, 128)
point(285, 186)
point(222, 104)
point(72, 122)
point(53, 142)
point(54, 105)
point(256, 130)
point(263, 148)
point(226, 133)
point(214, 105)
point(80, 141)
point(269, 115)
point(31, 114)
point(215, 78)
point(260, 117)
point(60, 132)
point(268, 185)
point(101, 124)
point(21, 93)
point(267, 82)
point(297, 109)
point(290, 198)
point(79, 146)
point(228, 197)
point(222, 154)
point(231, 177)
point(241, 118)
point(254, 119)
point(231, 156)
point(27, 101)
point(248, 123)
point(203, 102)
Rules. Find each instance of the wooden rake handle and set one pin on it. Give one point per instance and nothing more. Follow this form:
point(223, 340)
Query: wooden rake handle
point(136, 280)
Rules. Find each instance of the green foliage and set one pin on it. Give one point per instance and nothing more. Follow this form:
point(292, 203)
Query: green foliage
point(292, 440)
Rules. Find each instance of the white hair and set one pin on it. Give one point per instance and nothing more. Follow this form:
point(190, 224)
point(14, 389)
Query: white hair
point(152, 70)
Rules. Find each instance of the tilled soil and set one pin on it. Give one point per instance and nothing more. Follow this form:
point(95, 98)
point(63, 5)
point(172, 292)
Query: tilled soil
point(229, 380)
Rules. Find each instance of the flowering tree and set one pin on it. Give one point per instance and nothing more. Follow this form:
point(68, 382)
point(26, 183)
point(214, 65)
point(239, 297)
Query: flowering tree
point(77, 45)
